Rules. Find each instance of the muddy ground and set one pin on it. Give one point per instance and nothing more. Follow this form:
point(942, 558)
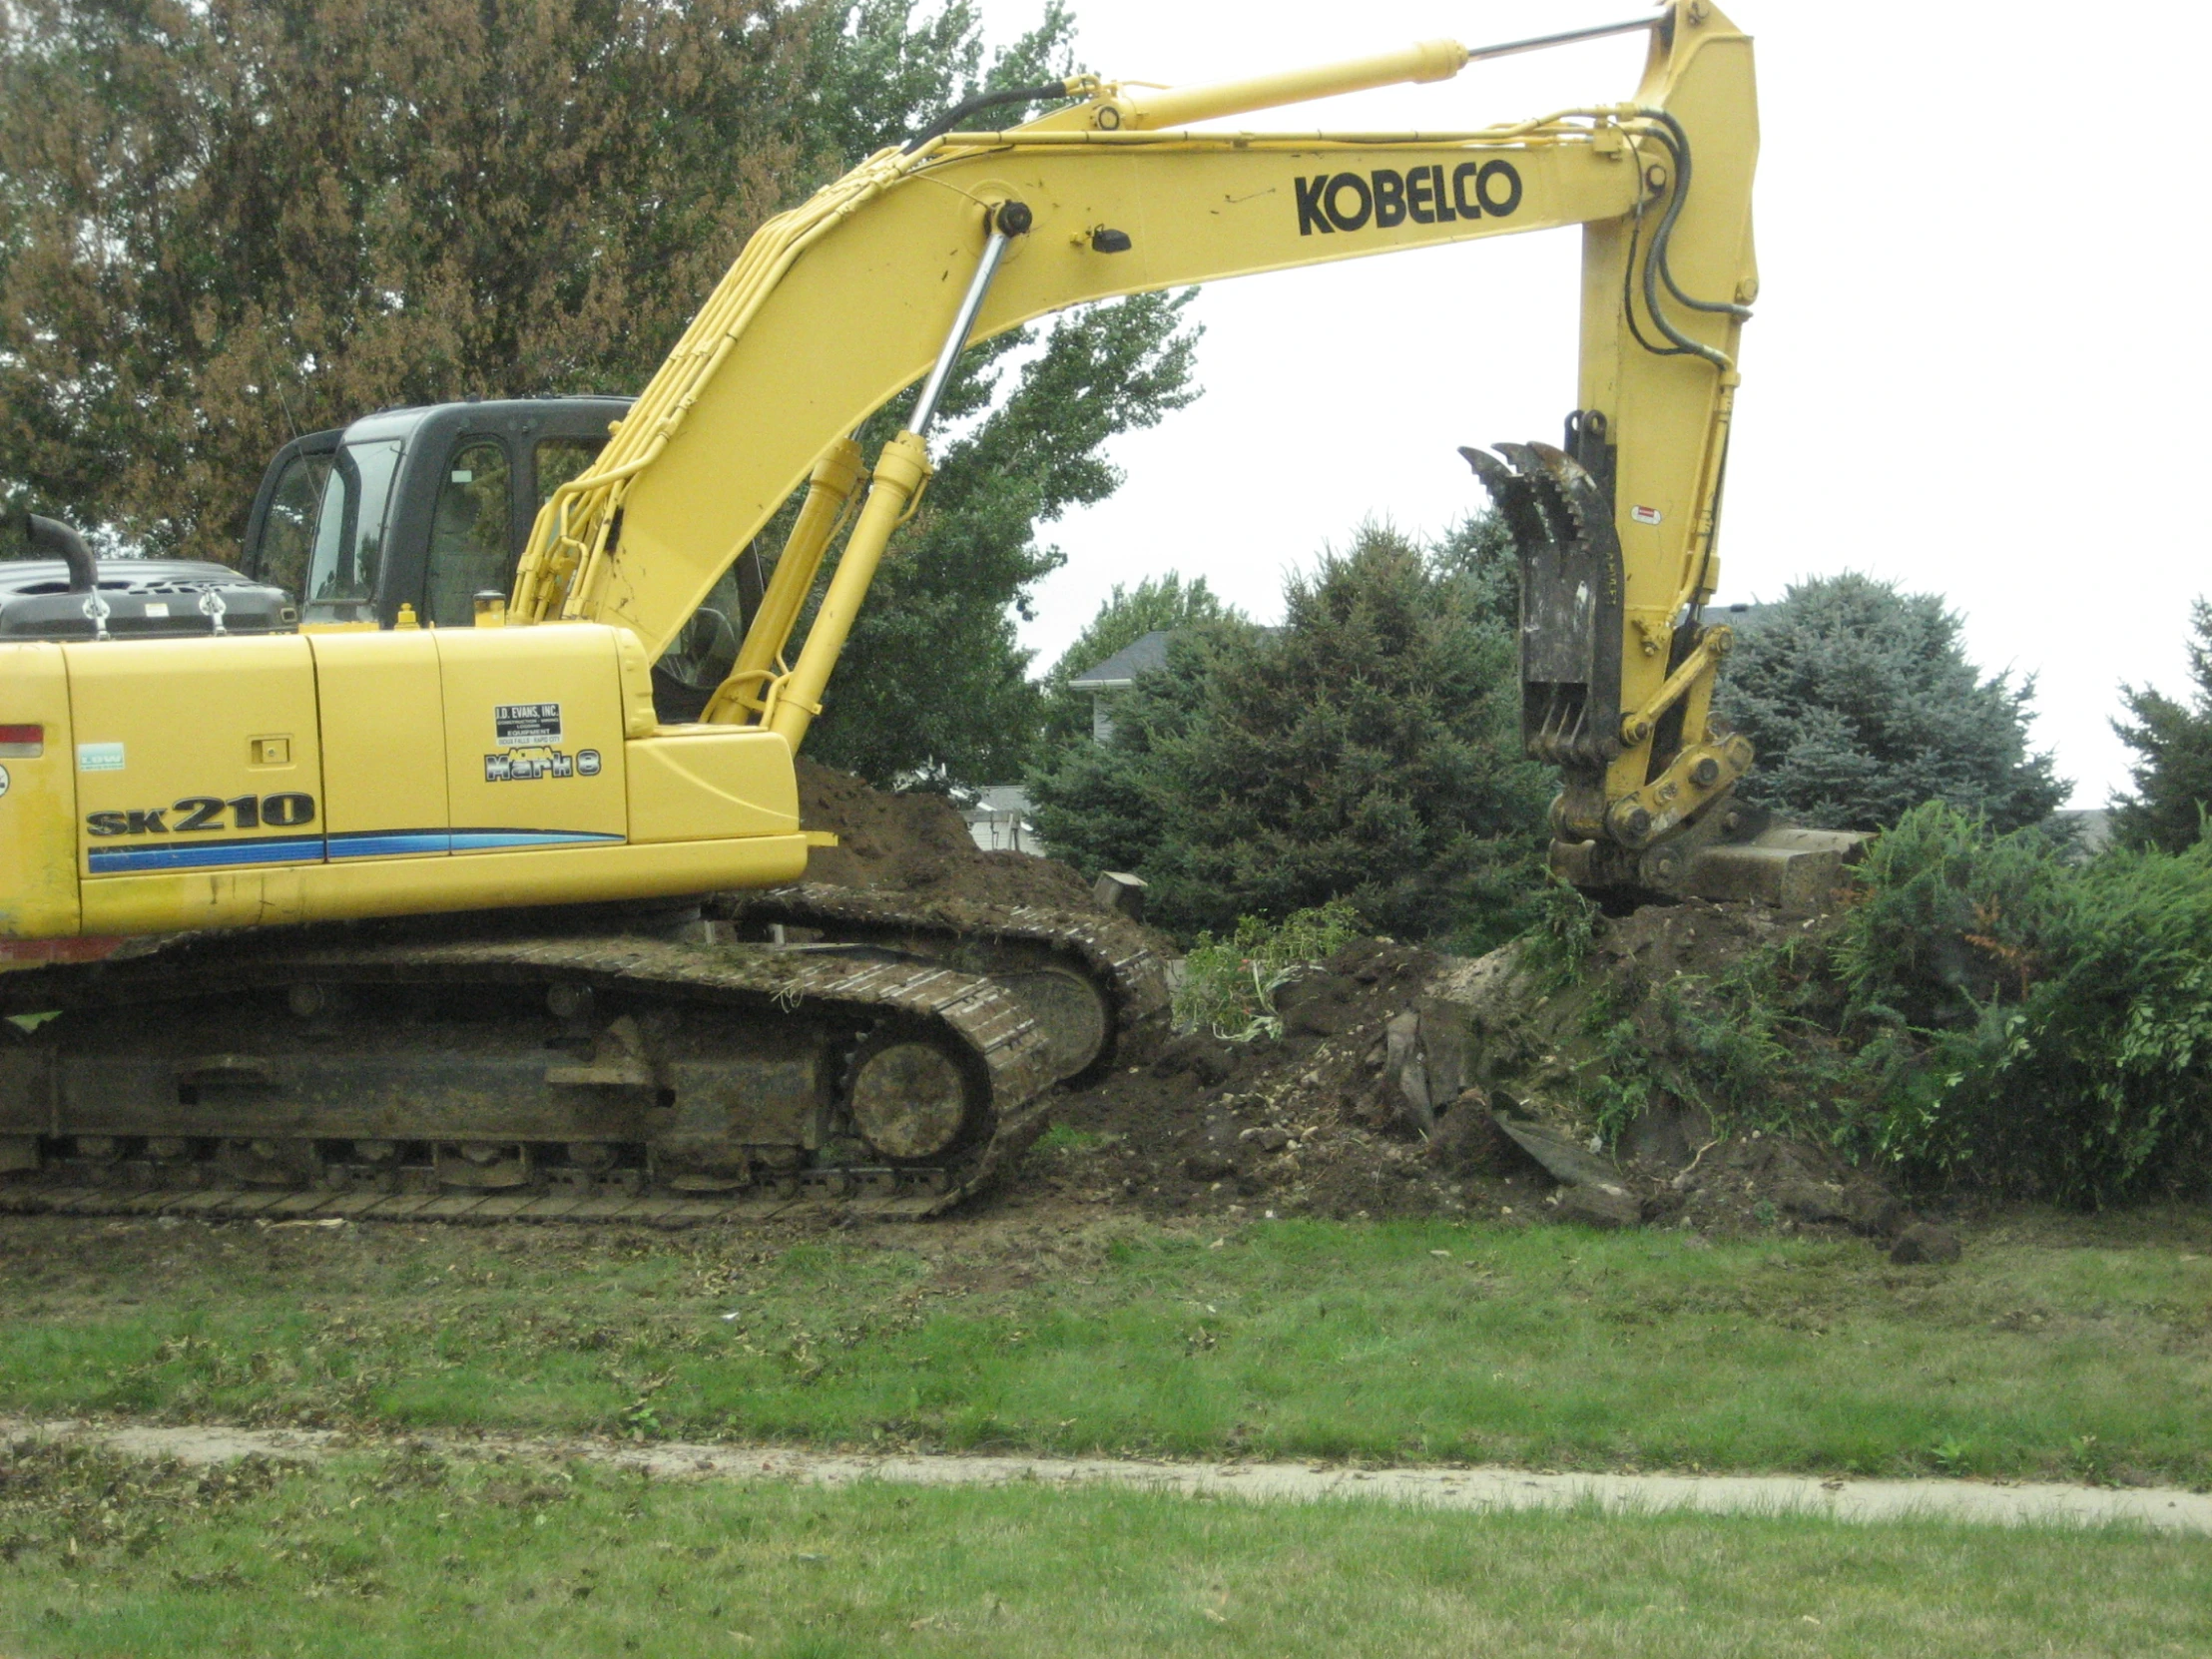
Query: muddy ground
point(1405, 1082)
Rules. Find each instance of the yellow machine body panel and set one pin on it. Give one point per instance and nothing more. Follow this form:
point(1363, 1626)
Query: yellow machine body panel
point(238, 782)
point(38, 795)
point(533, 737)
point(199, 755)
point(689, 782)
point(383, 729)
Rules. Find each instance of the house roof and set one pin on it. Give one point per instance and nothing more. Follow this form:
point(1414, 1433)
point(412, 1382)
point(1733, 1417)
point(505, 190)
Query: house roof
point(1140, 656)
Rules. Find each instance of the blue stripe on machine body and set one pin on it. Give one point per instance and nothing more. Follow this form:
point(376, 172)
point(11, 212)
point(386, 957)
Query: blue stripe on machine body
point(261, 850)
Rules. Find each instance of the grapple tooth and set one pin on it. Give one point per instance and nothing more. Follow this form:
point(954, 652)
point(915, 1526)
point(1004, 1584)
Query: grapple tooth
point(1497, 476)
point(1578, 490)
point(1525, 460)
point(1515, 498)
point(1551, 499)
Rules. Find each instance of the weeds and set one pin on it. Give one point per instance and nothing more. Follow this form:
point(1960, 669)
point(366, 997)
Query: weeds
point(1228, 985)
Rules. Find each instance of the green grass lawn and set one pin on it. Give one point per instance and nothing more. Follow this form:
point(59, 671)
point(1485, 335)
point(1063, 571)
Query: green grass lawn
point(2052, 1350)
point(405, 1556)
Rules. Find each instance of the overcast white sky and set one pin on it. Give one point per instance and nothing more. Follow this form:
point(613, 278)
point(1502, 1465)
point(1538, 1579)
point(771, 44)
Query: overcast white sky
point(1979, 338)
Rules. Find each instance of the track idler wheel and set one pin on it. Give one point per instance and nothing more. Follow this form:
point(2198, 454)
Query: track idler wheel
point(1071, 1012)
point(911, 1099)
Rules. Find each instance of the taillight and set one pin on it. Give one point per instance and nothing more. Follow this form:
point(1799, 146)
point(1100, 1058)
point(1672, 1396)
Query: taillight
point(22, 742)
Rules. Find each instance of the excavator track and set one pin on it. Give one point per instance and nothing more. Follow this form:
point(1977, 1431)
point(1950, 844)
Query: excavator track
point(590, 1078)
point(1112, 955)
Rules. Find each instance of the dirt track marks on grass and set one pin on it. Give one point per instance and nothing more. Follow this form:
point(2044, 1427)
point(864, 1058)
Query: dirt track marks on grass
point(2158, 1509)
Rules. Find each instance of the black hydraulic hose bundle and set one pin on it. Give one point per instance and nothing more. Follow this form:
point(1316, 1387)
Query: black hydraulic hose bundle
point(984, 101)
point(1656, 267)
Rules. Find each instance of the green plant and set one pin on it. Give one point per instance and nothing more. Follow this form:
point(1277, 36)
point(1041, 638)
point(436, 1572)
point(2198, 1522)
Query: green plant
point(1228, 985)
point(1368, 749)
point(2049, 1026)
point(1555, 947)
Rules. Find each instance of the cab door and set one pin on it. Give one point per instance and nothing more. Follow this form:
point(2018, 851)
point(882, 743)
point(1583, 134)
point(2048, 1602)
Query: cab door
point(472, 531)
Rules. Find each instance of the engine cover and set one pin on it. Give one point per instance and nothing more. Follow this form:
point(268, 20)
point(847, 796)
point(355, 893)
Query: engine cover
point(138, 599)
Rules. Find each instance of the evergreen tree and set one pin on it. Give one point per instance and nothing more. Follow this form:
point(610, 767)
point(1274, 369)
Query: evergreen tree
point(2173, 776)
point(1861, 705)
point(1366, 749)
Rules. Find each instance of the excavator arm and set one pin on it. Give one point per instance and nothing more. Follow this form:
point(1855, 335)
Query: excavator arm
point(886, 276)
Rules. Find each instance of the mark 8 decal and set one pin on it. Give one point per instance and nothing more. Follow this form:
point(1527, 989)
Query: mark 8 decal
point(196, 814)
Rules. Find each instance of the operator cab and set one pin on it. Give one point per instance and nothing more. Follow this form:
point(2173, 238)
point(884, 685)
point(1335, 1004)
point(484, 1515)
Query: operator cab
point(429, 507)
point(423, 507)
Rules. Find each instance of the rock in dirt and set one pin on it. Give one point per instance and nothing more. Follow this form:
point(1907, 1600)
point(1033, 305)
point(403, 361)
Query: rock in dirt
point(1121, 894)
point(1209, 1166)
point(1924, 1242)
point(1607, 1206)
point(1566, 1162)
point(1812, 1201)
point(1404, 1059)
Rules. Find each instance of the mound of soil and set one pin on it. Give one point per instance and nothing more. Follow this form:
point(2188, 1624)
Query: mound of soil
point(1407, 1083)
point(1319, 1121)
point(919, 844)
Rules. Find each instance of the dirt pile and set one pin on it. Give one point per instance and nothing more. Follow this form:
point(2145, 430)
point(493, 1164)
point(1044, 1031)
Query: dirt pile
point(1334, 1118)
point(919, 844)
point(1408, 1083)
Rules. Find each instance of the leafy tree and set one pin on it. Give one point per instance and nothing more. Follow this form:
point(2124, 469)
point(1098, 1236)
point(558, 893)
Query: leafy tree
point(1154, 604)
point(2173, 778)
point(223, 223)
point(1862, 704)
point(1368, 750)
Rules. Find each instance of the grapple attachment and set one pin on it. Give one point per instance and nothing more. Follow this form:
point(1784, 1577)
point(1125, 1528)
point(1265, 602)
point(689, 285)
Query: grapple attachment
point(1558, 508)
point(1570, 601)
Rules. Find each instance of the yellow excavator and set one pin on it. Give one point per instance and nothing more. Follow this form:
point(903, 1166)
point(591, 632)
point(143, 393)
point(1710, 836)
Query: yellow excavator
point(390, 900)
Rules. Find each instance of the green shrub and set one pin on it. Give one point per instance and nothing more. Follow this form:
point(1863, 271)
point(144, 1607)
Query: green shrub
point(1228, 985)
point(2071, 1051)
point(1987, 1013)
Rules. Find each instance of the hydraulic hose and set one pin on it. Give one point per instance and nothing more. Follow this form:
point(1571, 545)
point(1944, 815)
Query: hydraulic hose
point(984, 101)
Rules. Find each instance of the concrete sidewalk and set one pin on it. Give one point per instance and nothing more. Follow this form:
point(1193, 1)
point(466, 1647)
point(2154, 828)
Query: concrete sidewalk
point(2168, 1509)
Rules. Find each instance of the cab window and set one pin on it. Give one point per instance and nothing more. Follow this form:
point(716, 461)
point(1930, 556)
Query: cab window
point(471, 533)
point(560, 459)
point(349, 533)
point(288, 533)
